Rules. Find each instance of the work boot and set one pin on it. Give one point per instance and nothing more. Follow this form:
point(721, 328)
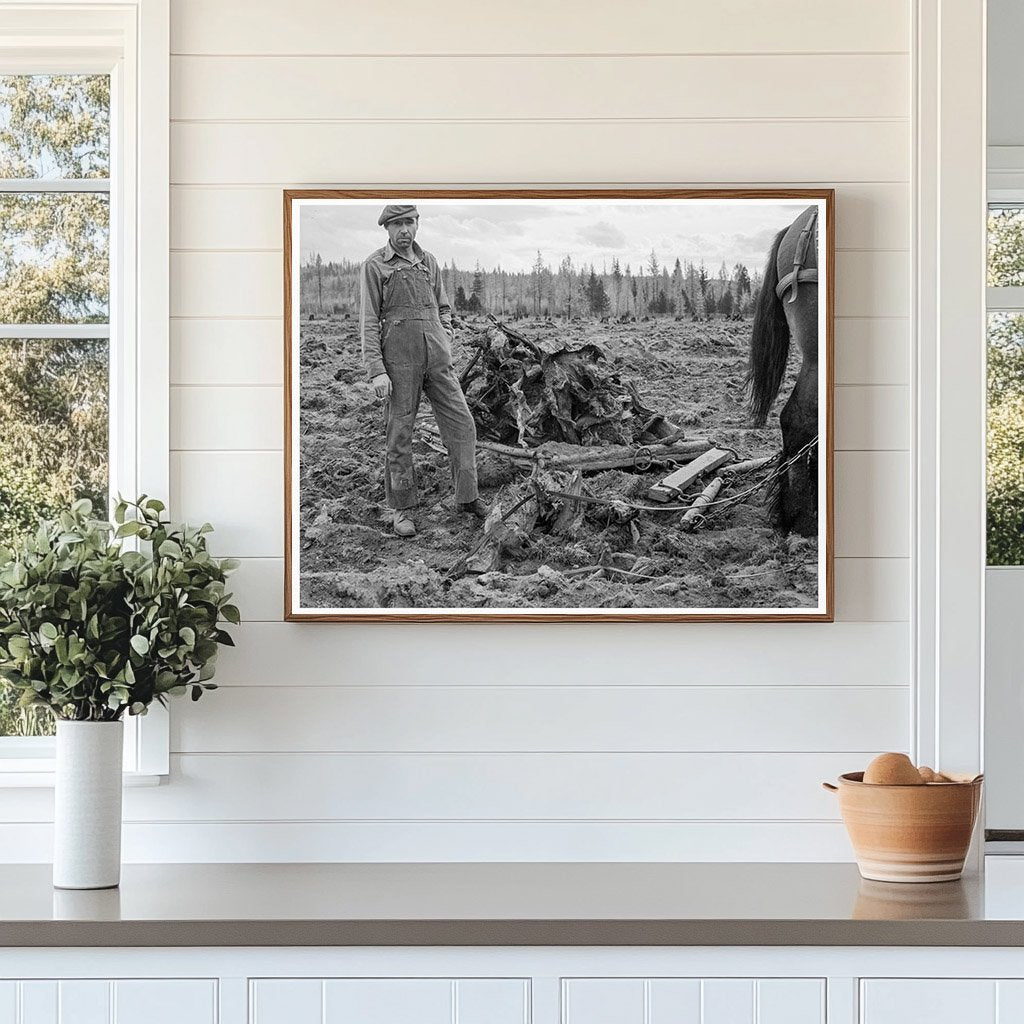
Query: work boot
point(403, 523)
point(476, 507)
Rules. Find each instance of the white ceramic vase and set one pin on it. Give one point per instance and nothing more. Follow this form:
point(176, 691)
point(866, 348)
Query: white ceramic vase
point(87, 805)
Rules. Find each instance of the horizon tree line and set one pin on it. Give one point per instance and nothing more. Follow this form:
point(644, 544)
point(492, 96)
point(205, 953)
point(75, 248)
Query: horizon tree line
point(689, 290)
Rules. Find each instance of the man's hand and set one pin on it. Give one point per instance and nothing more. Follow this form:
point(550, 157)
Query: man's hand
point(382, 385)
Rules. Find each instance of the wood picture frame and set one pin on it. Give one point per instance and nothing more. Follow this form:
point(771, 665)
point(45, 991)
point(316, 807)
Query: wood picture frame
point(343, 560)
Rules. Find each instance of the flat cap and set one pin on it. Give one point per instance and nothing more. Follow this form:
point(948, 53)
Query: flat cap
point(394, 211)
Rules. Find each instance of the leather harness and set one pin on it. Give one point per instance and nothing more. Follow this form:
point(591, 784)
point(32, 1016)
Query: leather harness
point(799, 272)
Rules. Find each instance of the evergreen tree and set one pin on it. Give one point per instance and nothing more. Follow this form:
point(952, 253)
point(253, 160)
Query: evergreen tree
point(538, 275)
point(616, 286)
point(742, 278)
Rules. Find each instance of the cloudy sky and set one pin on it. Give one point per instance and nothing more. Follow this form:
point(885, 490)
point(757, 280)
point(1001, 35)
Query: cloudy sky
point(509, 233)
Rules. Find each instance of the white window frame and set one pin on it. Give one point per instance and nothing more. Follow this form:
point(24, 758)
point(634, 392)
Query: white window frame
point(1003, 721)
point(130, 41)
point(949, 401)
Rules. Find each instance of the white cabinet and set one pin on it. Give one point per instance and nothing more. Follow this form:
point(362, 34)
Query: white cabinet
point(96, 1001)
point(942, 1001)
point(693, 1001)
point(388, 1001)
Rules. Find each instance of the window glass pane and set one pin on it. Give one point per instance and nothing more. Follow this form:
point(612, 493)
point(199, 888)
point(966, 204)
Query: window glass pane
point(54, 126)
point(1005, 485)
point(54, 257)
point(1005, 246)
point(53, 449)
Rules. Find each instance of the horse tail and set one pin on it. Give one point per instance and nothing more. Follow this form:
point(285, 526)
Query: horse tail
point(769, 343)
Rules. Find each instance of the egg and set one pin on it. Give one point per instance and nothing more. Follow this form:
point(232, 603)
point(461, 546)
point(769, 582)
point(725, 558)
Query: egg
point(893, 770)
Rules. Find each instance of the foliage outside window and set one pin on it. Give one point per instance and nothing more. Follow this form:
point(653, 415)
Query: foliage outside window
point(54, 309)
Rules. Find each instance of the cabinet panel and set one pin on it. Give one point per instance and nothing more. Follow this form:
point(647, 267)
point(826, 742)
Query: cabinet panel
point(728, 1001)
point(165, 1002)
point(694, 1001)
point(38, 1002)
point(674, 1000)
point(282, 1001)
point(790, 1001)
point(603, 1001)
point(84, 1002)
point(8, 1002)
point(389, 1001)
point(928, 1001)
point(492, 1001)
point(1009, 1002)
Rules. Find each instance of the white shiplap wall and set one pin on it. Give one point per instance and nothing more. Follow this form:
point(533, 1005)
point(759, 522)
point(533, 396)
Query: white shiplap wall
point(604, 742)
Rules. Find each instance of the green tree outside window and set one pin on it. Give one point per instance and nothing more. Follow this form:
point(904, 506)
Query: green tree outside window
point(54, 271)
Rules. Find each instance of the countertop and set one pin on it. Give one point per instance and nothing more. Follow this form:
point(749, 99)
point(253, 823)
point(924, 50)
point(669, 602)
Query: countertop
point(515, 904)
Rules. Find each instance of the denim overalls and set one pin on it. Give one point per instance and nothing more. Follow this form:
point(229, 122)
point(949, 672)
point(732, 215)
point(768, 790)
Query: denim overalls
point(418, 357)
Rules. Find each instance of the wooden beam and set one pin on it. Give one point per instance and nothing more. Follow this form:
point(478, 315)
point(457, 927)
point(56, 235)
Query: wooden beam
point(671, 488)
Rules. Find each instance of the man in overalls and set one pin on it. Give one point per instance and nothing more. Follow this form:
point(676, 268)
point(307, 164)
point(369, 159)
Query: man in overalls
point(407, 332)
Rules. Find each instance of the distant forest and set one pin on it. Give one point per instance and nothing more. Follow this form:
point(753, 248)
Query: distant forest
point(687, 290)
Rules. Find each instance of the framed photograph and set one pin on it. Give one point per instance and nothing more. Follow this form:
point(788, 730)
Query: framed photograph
point(558, 405)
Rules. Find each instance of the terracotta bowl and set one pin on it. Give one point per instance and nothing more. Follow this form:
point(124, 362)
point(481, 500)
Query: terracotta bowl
point(909, 833)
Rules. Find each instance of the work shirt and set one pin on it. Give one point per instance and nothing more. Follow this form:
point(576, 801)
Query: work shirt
point(377, 268)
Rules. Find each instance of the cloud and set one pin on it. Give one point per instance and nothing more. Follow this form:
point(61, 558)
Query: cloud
point(602, 235)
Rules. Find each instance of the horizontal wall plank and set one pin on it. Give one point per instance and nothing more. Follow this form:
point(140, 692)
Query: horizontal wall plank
point(536, 26)
point(242, 494)
point(868, 350)
point(460, 842)
point(631, 719)
point(258, 586)
point(867, 589)
point(868, 216)
point(872, 590)
point(485, 654)
point(227, 352)
point(534, 87)
point(378, 787)
point(872, 283)
point(872, 504)
point(234, 284)
point(549, 152)
point(238, 418)
point(872, 418)
point(237, 284)
point(251, 418)
point(872, 350)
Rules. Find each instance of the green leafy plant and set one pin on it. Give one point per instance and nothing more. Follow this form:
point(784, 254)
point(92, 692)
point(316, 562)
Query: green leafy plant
point(92, 630)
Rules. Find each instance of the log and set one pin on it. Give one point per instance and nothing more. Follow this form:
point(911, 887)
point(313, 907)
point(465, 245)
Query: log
point(622, 457)
point(746, 467)
point(671, 487)
point(464, 376)
point(708, 495)
point(590, 458)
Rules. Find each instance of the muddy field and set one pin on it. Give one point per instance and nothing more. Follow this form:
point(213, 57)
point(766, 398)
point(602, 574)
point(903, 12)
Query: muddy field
point(608, 558)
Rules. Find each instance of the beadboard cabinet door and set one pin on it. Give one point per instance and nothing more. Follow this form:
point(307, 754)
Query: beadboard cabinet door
point(942, 1001)
point(101, 1001)
point(693, 1001)
point(388, 1001)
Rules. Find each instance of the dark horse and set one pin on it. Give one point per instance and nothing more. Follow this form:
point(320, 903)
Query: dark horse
point(787, 306)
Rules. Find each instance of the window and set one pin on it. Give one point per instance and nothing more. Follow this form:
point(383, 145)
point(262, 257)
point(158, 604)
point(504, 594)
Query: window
point(84, 124)
point(1005, 476)
point(54, 309)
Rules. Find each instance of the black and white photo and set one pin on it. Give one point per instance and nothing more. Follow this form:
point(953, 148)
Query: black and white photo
point(565, 405)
